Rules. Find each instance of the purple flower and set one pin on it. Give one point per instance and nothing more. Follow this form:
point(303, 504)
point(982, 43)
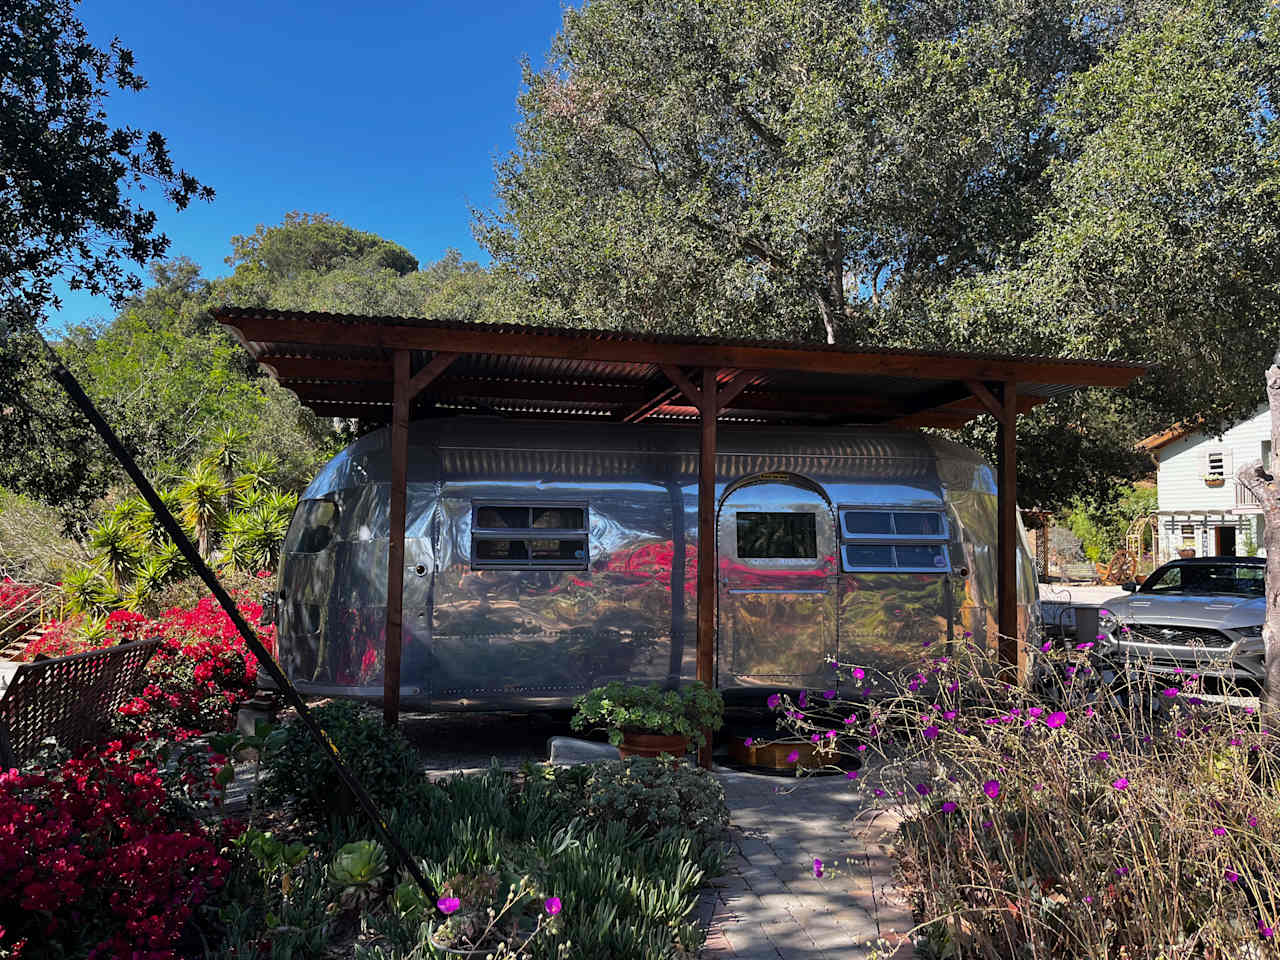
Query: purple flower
point(774, 700)
point(552, 905)
point(793, 756)
point(950, 807)
point(931, 732)
point(850, 720)
point(1102, 756)
point(748, 742)
point(851, 775)
point(987, 824)
point(1036, 711)
point(1055, 719)
point(1046, 646)
point(817, 867)
point(1087, 646)
point(828, 694)
point(949, 715)
point(1169, 691)
point(1253, 821)
point(991, 788)
point(1120, 783)
point(923, 789)
point(880, 793)
point(1104, 613)
point(1121, 871)
point(448, 905)
point(803, 699)
point(858, 674)
point(1267, 932)
point(1231, 876)
point(1219, 831)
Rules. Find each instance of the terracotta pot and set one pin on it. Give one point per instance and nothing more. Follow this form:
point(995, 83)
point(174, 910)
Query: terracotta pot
point(1186, 553)
point(652, 744)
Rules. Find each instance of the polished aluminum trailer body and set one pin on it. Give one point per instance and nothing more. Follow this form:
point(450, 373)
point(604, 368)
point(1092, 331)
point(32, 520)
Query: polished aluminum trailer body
point(544, 558)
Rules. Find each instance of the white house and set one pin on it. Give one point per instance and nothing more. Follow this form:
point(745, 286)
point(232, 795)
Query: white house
point(1203, 507)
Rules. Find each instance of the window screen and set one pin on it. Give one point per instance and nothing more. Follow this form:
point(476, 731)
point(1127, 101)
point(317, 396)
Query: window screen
point(887, 540)
point(1217, 464)
point(529, 537)
point(777, 536)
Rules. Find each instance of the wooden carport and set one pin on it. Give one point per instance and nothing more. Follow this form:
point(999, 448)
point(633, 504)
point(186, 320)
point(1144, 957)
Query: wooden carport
point(394, 368)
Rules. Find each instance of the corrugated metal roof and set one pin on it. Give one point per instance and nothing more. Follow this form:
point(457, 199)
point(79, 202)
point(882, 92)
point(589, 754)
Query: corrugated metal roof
point(341, 365)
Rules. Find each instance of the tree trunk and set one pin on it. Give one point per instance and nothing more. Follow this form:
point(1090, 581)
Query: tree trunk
point(1260, 478)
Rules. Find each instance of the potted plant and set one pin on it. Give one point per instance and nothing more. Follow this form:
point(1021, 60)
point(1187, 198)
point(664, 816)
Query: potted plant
point(648, 721)
point(1214, 479)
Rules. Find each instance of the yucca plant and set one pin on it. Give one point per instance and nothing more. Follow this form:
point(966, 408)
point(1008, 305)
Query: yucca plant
point(116, 546)
point(249, 497)
point(148, 579)
point(224, 452)
point(258, 470)
point(253, 539)
point(87, 591)
point(201, 496)
point(144, 522)
point(283, 503)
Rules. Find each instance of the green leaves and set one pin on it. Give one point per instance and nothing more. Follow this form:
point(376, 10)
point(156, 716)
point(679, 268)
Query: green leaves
point(636, 709)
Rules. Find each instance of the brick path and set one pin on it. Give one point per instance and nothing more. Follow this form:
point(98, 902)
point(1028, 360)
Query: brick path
point(769, 905)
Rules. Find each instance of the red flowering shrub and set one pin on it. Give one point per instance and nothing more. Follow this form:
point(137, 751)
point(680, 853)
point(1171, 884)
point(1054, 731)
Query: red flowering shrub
point(199, 675)
point(96, 860)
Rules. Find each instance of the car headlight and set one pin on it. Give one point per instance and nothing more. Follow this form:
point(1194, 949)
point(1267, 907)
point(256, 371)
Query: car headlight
point(1250, 633)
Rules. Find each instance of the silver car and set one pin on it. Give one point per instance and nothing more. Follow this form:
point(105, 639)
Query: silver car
point(1200, 615)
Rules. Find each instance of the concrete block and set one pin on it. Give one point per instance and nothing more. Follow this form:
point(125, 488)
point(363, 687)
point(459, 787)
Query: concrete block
point(570, 750)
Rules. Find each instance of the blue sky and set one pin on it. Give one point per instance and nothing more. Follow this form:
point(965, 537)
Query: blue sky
point(387, 116)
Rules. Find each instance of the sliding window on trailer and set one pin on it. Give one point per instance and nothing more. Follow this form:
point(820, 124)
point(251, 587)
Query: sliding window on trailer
point(523, 535)
point(893, 541)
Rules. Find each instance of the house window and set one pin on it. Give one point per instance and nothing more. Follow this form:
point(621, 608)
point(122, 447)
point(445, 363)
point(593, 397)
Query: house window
point(907, 541)
point(1189, 535)
point(1217, 464)
point(520, 536)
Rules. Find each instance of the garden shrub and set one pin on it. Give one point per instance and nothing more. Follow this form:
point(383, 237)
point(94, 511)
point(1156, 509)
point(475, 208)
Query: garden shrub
point(381, 759)
point(660, 799)
point(98, 858)
point(1078, 819)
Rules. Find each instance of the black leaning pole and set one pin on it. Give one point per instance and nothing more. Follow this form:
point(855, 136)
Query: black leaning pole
point(265, 659)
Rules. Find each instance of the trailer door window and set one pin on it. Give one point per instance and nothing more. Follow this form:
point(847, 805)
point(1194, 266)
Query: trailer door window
point(776, 536)
point(529, 537)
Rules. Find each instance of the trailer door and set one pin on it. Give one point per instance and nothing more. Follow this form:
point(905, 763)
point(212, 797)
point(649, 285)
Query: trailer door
point(776, 553)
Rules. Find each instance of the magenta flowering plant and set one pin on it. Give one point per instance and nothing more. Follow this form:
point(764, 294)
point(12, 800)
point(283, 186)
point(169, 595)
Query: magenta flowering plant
point(1068, 818)
point(488, 908)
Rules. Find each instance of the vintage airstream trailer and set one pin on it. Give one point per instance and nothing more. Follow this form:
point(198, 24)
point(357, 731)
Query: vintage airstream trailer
point(543, 558)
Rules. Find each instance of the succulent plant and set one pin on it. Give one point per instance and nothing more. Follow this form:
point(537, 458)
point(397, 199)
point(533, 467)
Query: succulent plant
point(356, 871)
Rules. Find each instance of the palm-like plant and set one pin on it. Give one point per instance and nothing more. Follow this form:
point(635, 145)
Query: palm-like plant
point(87, 591)
point(283, 503)
point(224, 453)
point(258, 470)
point(201, 497)
point(144, 522)
point(254, 538)
point(250, 497)
point(149, 578)
point(116, 545)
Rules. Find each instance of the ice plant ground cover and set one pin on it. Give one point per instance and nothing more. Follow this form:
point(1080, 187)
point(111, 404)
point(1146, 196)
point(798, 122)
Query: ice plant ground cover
point(1072, 819)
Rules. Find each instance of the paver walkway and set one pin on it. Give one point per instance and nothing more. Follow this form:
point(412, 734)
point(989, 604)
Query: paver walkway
point(769, 905)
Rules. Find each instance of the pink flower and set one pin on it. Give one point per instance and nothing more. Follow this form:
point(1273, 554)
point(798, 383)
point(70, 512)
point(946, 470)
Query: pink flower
point(552, 905)
point(1219, 831)
point(1102, 756)
point(793, 756)
point(774, 700)
point(1120, 783)
point(1170, 691)
point(950, 807)
point(851, 775)
point(991, 788)
point(931, 732)
point(1055, 719)
point(448, 905)
point(817, 867)
point(747, 742)
point(858, 673)
point(1046, 646)
point(1231, 876)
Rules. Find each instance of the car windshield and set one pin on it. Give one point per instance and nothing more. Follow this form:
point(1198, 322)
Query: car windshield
point(1233, 579)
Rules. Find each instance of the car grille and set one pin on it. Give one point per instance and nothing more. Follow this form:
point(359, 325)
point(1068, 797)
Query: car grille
point(1176, 635)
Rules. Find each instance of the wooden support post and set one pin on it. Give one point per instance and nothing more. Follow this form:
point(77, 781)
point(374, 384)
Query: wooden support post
point(1007, 527)
point(709, 410)
point(406, 388)
point(395, 545)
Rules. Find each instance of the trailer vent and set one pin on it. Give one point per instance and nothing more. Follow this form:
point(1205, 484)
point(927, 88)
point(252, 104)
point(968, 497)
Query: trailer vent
point(538, 536)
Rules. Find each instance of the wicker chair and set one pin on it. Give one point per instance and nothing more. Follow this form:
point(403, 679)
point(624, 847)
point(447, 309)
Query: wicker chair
point(68, 698)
